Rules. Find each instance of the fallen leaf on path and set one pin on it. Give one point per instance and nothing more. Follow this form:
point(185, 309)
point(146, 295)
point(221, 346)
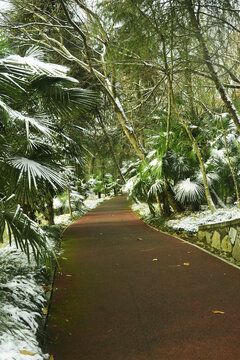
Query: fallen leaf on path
point(68, 275)
point(186, 264)
point(51, 357)
point(140, 239)
point(45, 310)
point(155, 259)
point(66, 320)
point(25, 352)
point(218, 312)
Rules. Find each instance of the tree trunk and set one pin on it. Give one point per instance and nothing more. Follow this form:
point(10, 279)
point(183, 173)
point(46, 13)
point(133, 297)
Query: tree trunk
point(207, 58)
point(69, 202)
point(92, 164)
point(175, 205)
point(159, 205)
point(111, 149)
point(127, 127)
point(50, 212)
point(230, 164)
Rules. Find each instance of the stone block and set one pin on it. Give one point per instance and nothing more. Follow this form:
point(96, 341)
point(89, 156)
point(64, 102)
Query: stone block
point(236, 250)
point(226, 244)
point(201, 235)
point(232, 235)
point(216, 240)
point(209, 237)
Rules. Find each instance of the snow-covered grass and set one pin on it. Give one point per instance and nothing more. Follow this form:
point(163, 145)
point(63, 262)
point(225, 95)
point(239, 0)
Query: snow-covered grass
point(189, 222)
point(22, 302)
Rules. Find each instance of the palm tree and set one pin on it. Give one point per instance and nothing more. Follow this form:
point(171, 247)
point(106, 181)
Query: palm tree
point(35, 97)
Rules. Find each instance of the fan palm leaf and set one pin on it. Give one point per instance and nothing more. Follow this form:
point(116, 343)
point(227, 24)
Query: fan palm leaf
point(34, 171)
point(26, 234)
point(188, 191)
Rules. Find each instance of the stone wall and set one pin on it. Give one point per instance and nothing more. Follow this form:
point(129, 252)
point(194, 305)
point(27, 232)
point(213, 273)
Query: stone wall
point(224, 236)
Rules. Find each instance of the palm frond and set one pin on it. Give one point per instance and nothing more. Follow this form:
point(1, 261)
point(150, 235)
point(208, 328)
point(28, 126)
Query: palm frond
point(40, 122)
point(188, 191)
point(156, 188)
point(35, 171)
point(26, 233)
point(212, 177)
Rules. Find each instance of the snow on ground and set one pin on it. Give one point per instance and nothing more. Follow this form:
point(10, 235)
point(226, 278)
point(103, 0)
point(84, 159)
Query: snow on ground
point(22, 303)
point(89, 204)
point(189, 222)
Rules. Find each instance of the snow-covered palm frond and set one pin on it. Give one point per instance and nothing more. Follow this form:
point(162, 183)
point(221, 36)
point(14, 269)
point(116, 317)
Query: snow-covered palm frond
point(26, 233)
point(176, 165)
point(218, 155)
point(212, 177)
point(34, 171)
point(154, 167)
point(40, 123)
point(188, 191)
point(156, 188)
point(29, 66)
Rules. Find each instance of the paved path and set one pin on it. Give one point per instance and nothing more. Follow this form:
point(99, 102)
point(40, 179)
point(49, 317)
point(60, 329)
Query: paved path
point(113, 302)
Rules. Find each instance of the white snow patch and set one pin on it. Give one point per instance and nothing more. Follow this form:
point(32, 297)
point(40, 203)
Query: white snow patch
point(22, 302)
point(191, 222)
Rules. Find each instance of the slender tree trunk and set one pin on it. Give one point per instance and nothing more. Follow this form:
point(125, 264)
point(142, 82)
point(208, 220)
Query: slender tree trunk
point(102, 167)
point(168, 118)
point(111, 149)
point(230, 164)
point(127, 127)
point(219, 201)
point(159, 205)
point(175, 205)
point(69, 202)
point(92, 164)
point(50, 212)
point(207, 58)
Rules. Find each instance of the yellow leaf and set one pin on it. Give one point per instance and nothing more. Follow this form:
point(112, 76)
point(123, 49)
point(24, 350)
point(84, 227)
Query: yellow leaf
point(68, 275)
point(45, 310)
point(63, 258)
point(186, 263)
point(155, 259)
point(25, 352)
point(47, 288)
point(218, 312)
point(51, 357)
point(140, 239)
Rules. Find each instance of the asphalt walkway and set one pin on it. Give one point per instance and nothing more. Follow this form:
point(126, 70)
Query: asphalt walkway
point(128, 292)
